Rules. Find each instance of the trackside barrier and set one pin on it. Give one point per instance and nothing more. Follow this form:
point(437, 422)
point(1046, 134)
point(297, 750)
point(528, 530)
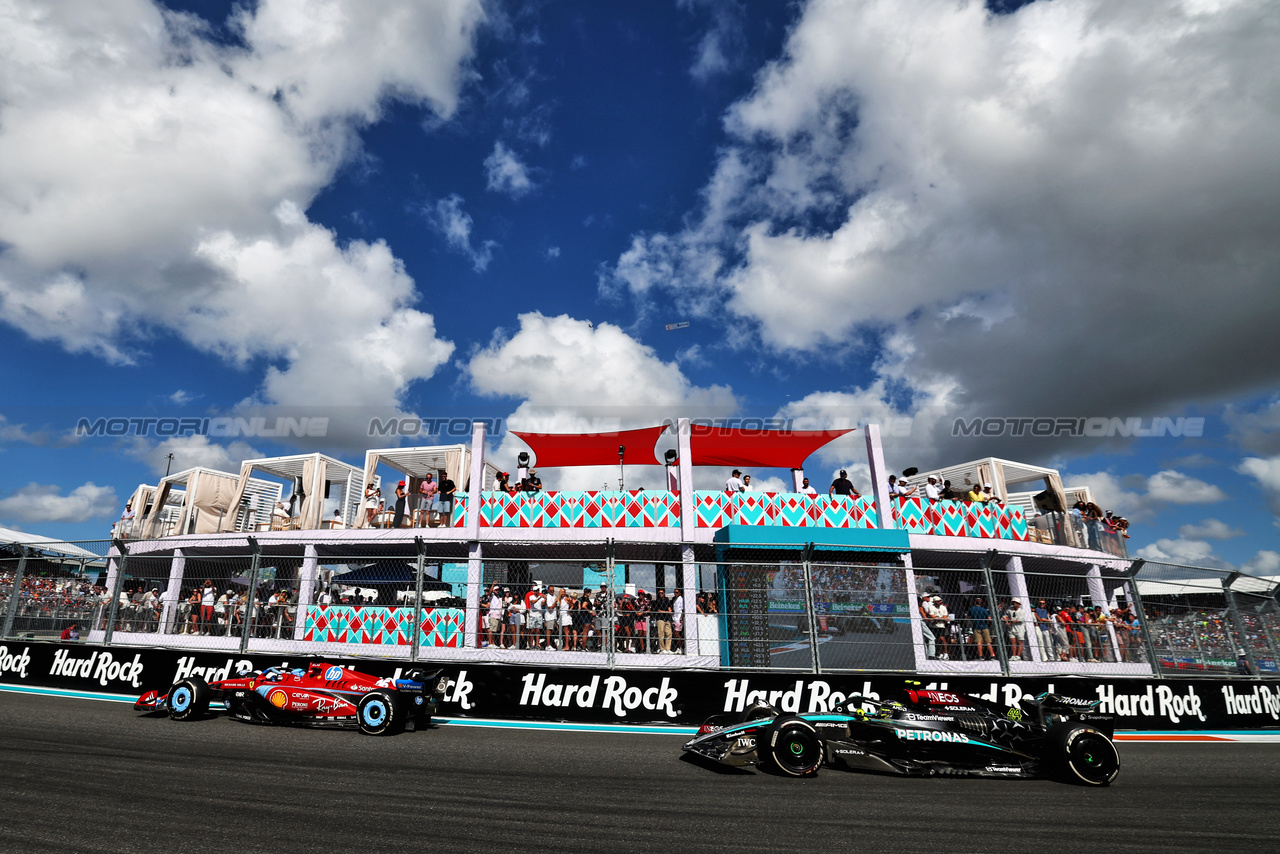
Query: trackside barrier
point(815, 607)
point(599, 695)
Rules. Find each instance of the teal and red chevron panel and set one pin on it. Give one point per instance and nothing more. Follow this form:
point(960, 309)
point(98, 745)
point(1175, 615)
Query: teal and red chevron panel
point(959, 519)
point(566, 509)
point(783, 509)
point(390, 626)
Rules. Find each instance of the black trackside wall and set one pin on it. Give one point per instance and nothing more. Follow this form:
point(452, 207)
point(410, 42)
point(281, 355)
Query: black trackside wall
point(648, 697)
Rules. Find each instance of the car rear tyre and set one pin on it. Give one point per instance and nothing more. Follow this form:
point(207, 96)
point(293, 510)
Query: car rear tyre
point(1086, 756)
point(793, 747)
point(188, 699)
point(379, 713)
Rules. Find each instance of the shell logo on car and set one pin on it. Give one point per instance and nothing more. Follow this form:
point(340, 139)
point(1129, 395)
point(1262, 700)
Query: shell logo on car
point(278, 698)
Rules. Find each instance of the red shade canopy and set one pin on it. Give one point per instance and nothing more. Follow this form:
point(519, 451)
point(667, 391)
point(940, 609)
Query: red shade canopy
point(593, 449)
point(784, 449)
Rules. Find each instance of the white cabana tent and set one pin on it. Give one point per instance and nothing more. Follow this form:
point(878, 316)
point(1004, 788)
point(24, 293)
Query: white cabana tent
point(161, 520)
point(207, 497)
point(416, 463)
point(313, 477)
point(1003, 475)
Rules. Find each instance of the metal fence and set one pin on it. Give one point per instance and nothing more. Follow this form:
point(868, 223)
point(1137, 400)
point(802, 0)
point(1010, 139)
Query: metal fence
point(817, 608)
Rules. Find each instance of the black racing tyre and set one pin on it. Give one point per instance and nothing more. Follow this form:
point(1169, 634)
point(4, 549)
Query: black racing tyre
point(1085, 756)
point(188, 699)
point(380, 713)
point(792, 746)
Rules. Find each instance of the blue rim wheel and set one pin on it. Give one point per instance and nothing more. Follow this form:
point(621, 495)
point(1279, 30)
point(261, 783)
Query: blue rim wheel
point(180, 700)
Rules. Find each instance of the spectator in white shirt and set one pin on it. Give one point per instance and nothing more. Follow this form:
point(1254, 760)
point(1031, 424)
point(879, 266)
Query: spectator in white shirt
point(806, 489)
point(734, 483)
point(931, 490)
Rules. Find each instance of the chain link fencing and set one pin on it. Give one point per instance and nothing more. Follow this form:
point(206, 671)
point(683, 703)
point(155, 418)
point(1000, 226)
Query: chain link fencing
point(602, 603)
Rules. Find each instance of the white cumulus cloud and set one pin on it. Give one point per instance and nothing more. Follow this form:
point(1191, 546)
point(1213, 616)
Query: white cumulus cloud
point(571, 375)
point(150, 176)
point(40, 503)
point(985, 183)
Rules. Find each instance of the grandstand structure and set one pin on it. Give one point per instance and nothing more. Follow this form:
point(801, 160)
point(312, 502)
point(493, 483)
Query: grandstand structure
point(766, 581)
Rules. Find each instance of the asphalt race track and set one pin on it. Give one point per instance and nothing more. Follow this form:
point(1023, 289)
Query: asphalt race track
point(86, 776)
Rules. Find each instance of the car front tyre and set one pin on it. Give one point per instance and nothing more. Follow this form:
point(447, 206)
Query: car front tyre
point(793, 747)
point(188, 699)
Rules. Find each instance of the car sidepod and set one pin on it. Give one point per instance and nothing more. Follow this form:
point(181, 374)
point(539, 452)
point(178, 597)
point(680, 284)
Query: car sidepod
point(935, 747)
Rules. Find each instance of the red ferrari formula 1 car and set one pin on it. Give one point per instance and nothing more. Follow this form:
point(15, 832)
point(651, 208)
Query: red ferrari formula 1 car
point(320, 695)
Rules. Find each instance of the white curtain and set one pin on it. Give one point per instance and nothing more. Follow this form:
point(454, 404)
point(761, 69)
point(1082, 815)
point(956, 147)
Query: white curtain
point(313, 500)
point(457, 464)
point(229, 521)
point(214, 498)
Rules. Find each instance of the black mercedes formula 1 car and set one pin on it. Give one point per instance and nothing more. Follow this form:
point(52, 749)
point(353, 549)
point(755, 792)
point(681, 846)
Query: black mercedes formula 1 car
point(928, 733)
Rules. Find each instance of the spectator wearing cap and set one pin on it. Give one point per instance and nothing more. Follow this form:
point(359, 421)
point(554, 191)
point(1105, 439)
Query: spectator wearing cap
point(677, 622)
point(1015, 630)
point(493, 621)
point(899, 488)
point(1044, 630)
point(931, 490)
point(842, 486)
point(926, 628)
point(948, 493)
point(734, 484)
point(533, 483)
point(505, 640)
point(535, 602)
point(941, 616)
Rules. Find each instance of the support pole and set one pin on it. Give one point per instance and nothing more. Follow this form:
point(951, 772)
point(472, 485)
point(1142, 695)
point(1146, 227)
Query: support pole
point(879, 479)
point(1018, 588)
point(169, 599)
point(306, 589)
point(609, 640)
point(251, 596)
point(988, 561)
point(15, 595)
point(1242, 639)
point(1136, 598)
point(811, 611)
point(417, 598)
point(114, 606)
point(475, 570)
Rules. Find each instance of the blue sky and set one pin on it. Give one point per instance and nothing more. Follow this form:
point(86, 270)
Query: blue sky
point(909, 212)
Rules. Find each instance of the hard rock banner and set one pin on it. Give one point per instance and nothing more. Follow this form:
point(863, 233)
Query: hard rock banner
point(676, 697)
